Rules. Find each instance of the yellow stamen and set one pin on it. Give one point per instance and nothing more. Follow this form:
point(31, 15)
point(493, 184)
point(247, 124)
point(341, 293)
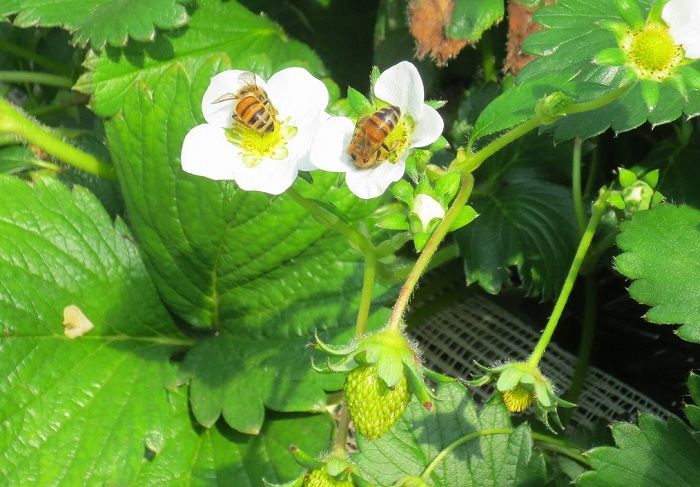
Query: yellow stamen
point(519, 399)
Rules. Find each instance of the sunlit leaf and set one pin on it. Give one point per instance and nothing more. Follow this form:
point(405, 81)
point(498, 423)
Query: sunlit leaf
point(99, 22)
point(498, 460)
point(250, 41)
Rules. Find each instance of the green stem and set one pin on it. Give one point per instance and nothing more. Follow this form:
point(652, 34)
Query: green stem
point(598, 249)
point(587, 106)
point(596, 214)
point(553, 444)
point(341, 432)
point(592, 171)
point(8, 139)
point(13, 121)
point(469, 162)
point(488, 58)
point(576, 185)
point(332, 221)
point(36, 77)
point(430, 248)
point(44, 61)
point(561, 447)
point(590, 313)
point(370, 271)
point(43, 110)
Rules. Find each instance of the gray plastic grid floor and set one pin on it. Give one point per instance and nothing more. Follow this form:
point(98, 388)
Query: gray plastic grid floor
point(479, 330)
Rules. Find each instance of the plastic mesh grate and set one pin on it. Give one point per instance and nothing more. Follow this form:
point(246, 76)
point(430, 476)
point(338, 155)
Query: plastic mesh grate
point(479, 330)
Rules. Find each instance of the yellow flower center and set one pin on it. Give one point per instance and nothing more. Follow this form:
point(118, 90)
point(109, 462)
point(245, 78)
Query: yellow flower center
point(397, 141)
point(256, 146)
point(518, 399)
point(652, 52)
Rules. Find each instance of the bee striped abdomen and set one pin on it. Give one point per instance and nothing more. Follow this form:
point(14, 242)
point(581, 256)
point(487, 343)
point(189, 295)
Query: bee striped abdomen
point(380, 124)
point(254, 113)
point(367, 148)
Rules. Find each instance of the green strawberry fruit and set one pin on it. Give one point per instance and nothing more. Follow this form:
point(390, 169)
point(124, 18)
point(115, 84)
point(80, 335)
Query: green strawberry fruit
point(373, 405)
point(320, 478)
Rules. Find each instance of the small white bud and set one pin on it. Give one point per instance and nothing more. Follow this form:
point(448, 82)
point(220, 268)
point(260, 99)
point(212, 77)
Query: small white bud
point(427, 209)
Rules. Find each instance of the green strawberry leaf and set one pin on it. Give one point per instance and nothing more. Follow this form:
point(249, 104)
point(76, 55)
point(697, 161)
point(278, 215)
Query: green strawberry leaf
point(517, 104)
point(114, 388)
point(237, 376)
point(16, 158)
point(572, 38)
point(652, 452)
point(214, 28)
point(99, 22)
point(108, 387)
point(659, 253)
point(498, 460)
point(471, 18)
point(524, 222)
point(259, 271)
point(187, 455)
point(692, 411)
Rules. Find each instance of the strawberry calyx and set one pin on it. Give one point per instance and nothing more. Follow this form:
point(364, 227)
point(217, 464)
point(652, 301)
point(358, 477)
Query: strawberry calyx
point(331, 470)
point(522, 385)
point(383, 371)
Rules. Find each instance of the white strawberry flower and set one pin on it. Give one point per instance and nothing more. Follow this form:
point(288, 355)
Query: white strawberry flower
point(419, 125)
point(427, 208)
point(269, 162)
point(683, 19)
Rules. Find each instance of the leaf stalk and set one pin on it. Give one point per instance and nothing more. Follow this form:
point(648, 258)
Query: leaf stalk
point(14, 121)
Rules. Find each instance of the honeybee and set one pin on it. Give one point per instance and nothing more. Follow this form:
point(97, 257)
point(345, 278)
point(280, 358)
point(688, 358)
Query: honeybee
point(253, 108)
point(367, 148)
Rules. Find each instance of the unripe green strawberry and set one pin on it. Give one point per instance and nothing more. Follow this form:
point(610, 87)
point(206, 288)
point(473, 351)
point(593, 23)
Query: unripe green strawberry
point(373, 405)
point(320, 478)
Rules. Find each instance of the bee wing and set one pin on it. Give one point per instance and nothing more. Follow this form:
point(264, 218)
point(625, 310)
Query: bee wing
point(224, 97)
point(248, 80)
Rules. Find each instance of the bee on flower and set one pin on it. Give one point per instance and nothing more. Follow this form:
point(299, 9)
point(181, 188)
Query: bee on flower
point(372, 151)
point(258, 132)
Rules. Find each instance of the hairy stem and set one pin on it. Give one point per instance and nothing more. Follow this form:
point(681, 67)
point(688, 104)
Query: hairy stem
point(548, 442)
point(13, 121)
point(469, 162)
point(596, 214)
point(370, 271)
point(430, 248)
point(369, 275)
point(590, 315)
point(36, 77)
point(576, 185)
point(488, 58)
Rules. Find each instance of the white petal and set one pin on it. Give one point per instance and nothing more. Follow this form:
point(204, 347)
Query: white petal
point(427, 209)
point(329, 149)
point(221, 114)
point(683, 19)
point(402, 86)
point(270, 176)
point(293, 92)
point(427, 128)
point(370, 183)
point(207, 152)
point(304, 138)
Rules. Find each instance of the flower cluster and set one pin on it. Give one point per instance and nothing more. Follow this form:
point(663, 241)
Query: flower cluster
point(261, 133)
